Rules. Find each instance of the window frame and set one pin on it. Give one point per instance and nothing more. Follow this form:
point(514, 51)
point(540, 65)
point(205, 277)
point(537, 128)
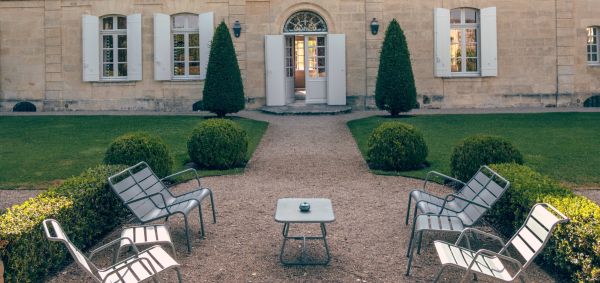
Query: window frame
point(186, 31)
point(114, 33)
point(463, 26)
point(590, 35)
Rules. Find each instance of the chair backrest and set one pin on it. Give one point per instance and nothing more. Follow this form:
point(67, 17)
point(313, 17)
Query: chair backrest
point(55, 233)
point(531, 238)
point(139, 181)
point(484, 188)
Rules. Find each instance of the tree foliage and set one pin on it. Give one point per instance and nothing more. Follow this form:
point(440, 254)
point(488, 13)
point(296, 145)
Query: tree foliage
point(395, 90)
point(223, 89)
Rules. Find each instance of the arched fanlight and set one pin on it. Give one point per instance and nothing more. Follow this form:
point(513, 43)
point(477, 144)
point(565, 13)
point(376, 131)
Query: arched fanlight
point(305, 21)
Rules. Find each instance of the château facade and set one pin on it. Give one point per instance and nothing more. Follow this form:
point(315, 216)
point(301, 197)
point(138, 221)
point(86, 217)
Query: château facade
point(152, 54)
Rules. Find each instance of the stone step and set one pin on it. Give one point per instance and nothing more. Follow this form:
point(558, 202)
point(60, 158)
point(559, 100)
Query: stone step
point(315, 109)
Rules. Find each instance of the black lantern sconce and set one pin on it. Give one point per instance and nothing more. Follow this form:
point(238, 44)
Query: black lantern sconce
point(374, 26)
point(237, 28)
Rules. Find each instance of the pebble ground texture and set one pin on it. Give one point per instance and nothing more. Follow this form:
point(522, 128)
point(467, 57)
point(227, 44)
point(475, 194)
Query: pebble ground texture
point(303, 156)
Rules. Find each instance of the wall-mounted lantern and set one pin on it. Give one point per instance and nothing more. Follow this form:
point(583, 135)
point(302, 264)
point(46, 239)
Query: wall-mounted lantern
point(374, 26)
point(237, 28)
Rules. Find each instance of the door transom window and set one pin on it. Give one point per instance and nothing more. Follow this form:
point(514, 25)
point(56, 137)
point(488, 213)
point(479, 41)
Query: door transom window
point(305, 21)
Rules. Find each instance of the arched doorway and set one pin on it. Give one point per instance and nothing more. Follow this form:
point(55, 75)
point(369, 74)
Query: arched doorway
point(305, 64)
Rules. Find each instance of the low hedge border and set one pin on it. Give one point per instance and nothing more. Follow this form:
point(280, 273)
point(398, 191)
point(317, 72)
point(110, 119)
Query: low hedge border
point(574, 249)
point(84, 205)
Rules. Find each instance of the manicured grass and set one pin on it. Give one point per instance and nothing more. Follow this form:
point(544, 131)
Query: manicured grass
point(562, 145)
point(37, 150)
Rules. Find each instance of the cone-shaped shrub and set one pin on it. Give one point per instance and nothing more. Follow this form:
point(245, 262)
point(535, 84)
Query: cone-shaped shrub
point(395, 91)
point(223, 89)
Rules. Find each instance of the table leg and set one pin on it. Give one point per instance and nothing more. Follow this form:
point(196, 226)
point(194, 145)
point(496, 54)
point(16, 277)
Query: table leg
point(303, 261)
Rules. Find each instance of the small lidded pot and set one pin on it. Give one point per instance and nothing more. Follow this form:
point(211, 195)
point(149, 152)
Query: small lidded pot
point(304, 206)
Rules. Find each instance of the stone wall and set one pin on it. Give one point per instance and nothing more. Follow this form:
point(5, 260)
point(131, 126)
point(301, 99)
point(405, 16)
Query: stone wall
point(541, 52)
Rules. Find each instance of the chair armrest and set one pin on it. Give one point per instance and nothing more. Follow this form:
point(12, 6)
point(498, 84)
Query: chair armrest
point(129, 264)
point(446, 177)
point(184, 171)
point(465, 234)
point(451, 197)
point(149, 196)
point(483, 252)
point(111, 243)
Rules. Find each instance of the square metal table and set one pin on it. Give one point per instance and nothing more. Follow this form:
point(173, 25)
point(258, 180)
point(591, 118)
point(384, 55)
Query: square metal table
point(288, 212)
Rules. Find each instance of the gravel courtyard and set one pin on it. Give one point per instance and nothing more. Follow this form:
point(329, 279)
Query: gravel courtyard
point(303, 156)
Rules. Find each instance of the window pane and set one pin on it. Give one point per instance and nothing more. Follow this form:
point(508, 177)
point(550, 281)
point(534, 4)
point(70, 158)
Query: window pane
point(470, 16)
point(321, 51)
point(321, 62)
point(456, 65)
point(107, 41)
point(471, 36)
point(107, 56)
point(122, 41)
point(122, 55)
point(179, 21)
point(107, 23)
point(178, 40)
point(194, 54)
point(122, 70)
point(455, 36)
point(471, 50)
point(312, 74)
point(108, 70)
point(192, 21)
point(122, 23)
point(194, 40)
point(321, 41)
point(194, 68)
point(322, 72)
point(179, 54)
point(471, 65)
point(455, 16)
point(594, 48)
point(179, 69)
point(594, 57)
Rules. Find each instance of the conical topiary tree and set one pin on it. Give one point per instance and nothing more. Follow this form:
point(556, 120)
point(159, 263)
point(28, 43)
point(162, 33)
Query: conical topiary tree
point(223, 89)
point(395, 91)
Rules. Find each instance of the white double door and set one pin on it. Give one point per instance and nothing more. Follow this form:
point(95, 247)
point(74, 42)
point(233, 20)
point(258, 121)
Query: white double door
point(323, 62)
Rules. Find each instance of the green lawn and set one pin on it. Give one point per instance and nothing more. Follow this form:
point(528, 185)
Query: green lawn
point(36, 150)
point(562, 145)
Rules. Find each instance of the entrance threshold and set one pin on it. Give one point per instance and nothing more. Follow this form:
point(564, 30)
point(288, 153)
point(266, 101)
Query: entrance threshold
point(304, 109)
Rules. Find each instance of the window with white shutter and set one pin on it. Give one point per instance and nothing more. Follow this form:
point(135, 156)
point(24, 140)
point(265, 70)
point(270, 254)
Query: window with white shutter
point(90, 44)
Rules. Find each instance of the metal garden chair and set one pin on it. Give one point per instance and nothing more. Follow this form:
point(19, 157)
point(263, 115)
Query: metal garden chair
point(142, 266)
point(149, 199)
point(529, 241)
point(456, 211)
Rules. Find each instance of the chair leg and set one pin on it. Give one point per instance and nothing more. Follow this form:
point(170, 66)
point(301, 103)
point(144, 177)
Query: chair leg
point(212, 205)
point(201, 221)
point(411, 240)
point(408, 209)
point(410, 252)
point(437, 277)
point(173, 247)
point(419, 243)
point(187, 234)
point(179, 277)
point(116, 255)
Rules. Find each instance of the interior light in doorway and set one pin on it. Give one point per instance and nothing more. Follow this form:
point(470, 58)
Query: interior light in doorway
point(374, 26)
point(237, 28)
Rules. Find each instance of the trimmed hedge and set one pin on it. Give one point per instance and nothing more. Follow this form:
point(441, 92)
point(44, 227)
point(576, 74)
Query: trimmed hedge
point(219, 144)
point(574, 249)
point(474, 151)
point(84, 205)
point(396, 146)
point(132, 148)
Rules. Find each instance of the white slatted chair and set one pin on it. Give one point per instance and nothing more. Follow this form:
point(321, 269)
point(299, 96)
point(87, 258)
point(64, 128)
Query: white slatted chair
point(143, 266)
point(529, 241)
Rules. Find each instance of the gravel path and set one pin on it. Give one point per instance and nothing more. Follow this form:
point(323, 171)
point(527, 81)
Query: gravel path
point(304, 157)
